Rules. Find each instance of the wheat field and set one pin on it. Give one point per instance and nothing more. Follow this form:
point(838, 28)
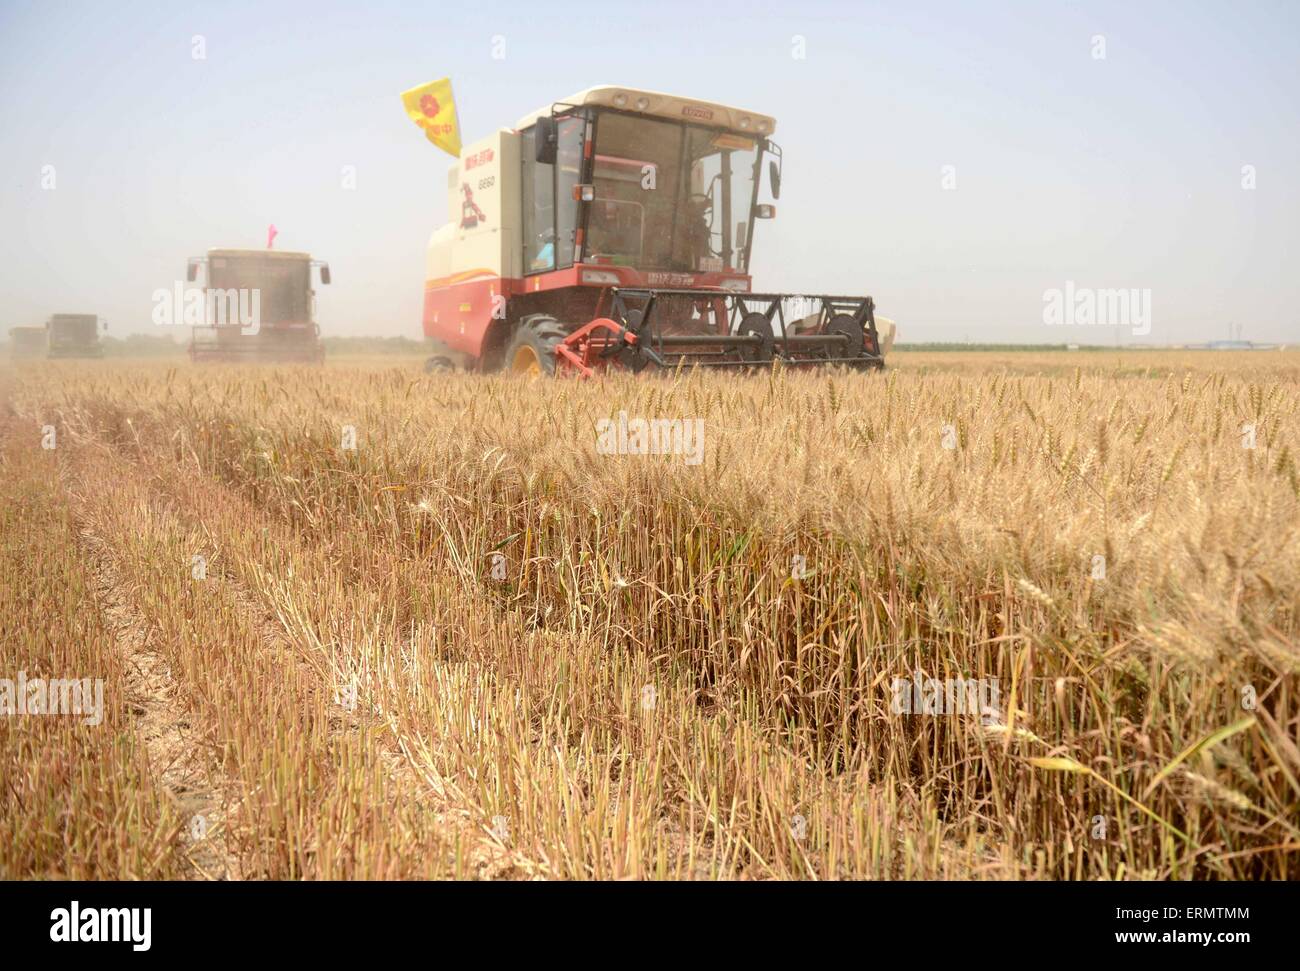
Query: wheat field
point(360, 622)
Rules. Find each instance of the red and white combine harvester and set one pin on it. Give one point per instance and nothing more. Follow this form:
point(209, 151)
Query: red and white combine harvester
point(614, 229)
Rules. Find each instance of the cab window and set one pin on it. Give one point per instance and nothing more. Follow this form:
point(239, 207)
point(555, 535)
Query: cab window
point(539, 208)
point(550, 227)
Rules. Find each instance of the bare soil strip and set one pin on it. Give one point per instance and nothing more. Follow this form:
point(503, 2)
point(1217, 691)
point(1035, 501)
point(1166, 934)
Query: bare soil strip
point(178, 745)
point(287, 631)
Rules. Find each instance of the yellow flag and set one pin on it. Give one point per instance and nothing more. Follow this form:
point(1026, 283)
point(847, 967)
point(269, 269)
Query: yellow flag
point(432, 107)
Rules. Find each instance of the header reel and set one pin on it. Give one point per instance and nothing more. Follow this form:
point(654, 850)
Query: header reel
point(671, 328)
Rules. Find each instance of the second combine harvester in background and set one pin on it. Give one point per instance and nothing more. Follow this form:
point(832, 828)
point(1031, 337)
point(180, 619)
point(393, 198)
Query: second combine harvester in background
point(259, 305)
point(614, 229)
point(74, 335)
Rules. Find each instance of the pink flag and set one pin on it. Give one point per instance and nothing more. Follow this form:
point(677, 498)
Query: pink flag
point(271, 233)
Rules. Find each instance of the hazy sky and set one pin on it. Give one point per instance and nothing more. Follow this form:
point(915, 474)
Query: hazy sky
point(1122, 171)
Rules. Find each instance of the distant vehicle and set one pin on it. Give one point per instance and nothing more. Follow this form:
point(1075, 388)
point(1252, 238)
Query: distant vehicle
point(26, 343)
point(74, 335)
point(1222, 345)
point(1238, 345)
point(259, 306)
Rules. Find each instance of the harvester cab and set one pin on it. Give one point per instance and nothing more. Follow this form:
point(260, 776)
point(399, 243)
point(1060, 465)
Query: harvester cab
point(258, 305)
point(614, 229)
point(74, 335)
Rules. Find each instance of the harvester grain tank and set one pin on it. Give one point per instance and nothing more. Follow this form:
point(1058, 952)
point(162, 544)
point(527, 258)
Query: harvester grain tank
point(27, 343)
point(258, 305)
point(74, 335)
point(615, 229)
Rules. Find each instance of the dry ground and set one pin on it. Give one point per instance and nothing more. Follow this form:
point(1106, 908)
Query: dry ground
point(476, 647)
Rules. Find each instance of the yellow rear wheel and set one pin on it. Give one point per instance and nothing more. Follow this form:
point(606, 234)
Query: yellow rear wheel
point(526, 361)
point(532, 349)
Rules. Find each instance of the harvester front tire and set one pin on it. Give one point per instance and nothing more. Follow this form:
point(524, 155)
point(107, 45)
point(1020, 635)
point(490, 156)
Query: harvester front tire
point(532, 350)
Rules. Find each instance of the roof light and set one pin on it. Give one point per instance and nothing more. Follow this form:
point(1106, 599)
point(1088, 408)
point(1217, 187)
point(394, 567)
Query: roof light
point(762, 127)
point(620, 100)
point(744, 121)
point(642, 104)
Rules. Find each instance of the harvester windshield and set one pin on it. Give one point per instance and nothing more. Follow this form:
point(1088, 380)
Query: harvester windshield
point(666, 195)
point(74, 328)
point(284, 283)
point(670, 196)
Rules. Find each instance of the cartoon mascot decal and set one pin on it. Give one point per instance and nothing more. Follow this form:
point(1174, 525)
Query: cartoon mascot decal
point(470, 214)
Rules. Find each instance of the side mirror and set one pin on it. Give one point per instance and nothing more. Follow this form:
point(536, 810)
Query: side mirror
point(774, 174)
point(547, 140)
point(325, 273)
point(191, 272)
point(765, 211)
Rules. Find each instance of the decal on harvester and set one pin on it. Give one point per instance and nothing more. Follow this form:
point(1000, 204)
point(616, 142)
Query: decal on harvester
point(670, 279)
point(470, 214)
